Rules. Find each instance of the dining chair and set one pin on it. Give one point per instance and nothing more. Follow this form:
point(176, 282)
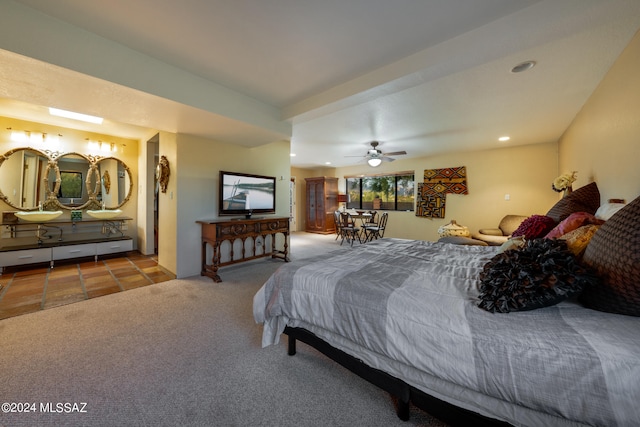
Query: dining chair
point(338, 222)
point(376, 231)
point(348, 229)
point(373, 219)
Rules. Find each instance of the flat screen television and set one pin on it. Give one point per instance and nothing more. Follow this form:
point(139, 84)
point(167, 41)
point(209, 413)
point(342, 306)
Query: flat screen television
point(246, 194)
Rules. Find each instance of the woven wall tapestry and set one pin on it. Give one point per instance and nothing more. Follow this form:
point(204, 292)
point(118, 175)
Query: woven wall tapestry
point(433, 191)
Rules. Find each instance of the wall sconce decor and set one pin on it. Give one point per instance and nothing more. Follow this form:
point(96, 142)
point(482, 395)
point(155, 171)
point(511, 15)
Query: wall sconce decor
point(162, 173)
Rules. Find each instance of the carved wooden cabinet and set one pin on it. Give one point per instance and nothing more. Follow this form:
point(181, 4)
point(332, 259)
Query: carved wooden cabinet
point(252, 234)
point(322, 202)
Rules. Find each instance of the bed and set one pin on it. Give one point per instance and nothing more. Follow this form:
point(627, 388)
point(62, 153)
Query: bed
point(405, 314)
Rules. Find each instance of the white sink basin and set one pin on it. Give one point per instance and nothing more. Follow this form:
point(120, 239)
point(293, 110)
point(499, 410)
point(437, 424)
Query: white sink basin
point(38, 216)
point(104, 213)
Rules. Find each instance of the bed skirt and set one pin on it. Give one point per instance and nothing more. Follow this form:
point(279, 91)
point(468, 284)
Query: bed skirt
point(400, 390)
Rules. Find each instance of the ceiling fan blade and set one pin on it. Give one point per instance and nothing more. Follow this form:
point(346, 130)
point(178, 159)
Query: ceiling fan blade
point(387, 159)
point(395, 153)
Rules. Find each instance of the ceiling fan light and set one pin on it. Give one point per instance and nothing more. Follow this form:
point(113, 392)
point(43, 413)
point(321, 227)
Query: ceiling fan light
point(374, 162)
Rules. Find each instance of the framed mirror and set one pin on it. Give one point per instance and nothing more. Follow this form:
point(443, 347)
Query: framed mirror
point(26, 175)
point(116, 183)
point(30, 177)
point(77, 183)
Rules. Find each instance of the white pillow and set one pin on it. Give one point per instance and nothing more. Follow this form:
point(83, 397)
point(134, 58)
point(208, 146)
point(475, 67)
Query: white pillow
point(606, 210)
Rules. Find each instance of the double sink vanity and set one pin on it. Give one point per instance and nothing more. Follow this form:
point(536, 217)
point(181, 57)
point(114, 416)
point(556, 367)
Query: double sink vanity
point(63, 206)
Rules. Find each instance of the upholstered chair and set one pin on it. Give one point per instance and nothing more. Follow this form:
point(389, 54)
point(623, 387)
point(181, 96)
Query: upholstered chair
point(497, 236)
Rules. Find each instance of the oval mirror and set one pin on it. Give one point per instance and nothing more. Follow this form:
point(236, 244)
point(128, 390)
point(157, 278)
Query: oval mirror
point(77, 182)
point(116, 183)
point(24, 178)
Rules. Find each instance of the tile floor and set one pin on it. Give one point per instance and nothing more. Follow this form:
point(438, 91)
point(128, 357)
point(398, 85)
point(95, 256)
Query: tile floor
point(25, 290)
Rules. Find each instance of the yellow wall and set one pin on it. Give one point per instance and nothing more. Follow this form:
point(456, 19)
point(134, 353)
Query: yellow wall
point(603, 142)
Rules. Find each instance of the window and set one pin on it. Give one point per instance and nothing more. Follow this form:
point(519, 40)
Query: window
point(70, 185)
point(382, 192)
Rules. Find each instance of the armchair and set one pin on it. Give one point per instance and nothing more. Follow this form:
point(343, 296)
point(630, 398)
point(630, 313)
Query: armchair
point(497, 236)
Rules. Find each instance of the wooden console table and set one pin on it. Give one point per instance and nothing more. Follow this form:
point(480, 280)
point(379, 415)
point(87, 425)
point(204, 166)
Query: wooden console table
point(216, 231)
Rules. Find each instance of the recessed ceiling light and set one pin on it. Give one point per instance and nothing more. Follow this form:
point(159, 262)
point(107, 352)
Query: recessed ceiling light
point(327, 163)
point(523, 66)
point(504, 138)
point(292, 154)
point(75, 116)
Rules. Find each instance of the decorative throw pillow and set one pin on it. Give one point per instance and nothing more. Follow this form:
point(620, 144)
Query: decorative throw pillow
point(542, 273)
point(607, 210)
point(535, 226)
point(578, 239)
point(572, 222)
point(584, 199)
point(614, 253)
point(512, 243)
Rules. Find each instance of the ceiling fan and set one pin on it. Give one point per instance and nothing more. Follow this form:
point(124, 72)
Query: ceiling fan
point(375, 156)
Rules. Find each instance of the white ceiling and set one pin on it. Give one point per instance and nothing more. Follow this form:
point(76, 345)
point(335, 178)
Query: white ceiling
point(416, 75)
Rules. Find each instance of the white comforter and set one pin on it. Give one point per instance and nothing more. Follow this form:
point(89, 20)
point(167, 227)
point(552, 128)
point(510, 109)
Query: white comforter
point(410, 308)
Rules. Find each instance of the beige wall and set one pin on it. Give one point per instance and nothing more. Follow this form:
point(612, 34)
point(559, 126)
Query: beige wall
point(194, 182)
point(76, 141)
point(525, 173)
point(603, 143)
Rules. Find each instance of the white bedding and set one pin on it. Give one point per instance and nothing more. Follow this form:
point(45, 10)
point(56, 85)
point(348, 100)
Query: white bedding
point(409, 308)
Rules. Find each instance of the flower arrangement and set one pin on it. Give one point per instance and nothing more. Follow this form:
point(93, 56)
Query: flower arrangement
point(564, 181)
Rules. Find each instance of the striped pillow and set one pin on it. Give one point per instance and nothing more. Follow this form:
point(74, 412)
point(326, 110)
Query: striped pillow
point(584, 199)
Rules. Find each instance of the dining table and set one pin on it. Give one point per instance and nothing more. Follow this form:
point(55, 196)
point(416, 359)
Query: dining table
point(360, 220)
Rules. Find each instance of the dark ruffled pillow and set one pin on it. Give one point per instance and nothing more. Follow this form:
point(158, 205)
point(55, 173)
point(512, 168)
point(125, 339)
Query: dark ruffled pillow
point(542, 273)
point(534, 227)
point(614, 253)
point(584, 199)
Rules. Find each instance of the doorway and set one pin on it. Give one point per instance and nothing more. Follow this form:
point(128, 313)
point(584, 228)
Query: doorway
point(153, 158)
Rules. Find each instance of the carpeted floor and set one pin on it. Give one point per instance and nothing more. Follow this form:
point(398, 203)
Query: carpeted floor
point(182, 352)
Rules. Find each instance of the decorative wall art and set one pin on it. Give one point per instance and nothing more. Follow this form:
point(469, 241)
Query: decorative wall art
point(162, 173)
point(106, 181)
point(437, 183)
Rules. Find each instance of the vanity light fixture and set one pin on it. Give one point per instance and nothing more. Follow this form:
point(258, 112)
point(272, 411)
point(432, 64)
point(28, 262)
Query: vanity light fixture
point(19, 136)
point(35, 138)
point(504, 138)
point(75, 116)
point(93, 145)
point(106, 147)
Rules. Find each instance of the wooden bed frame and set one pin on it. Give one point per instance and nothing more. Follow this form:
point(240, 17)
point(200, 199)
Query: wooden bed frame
point(403, 392)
